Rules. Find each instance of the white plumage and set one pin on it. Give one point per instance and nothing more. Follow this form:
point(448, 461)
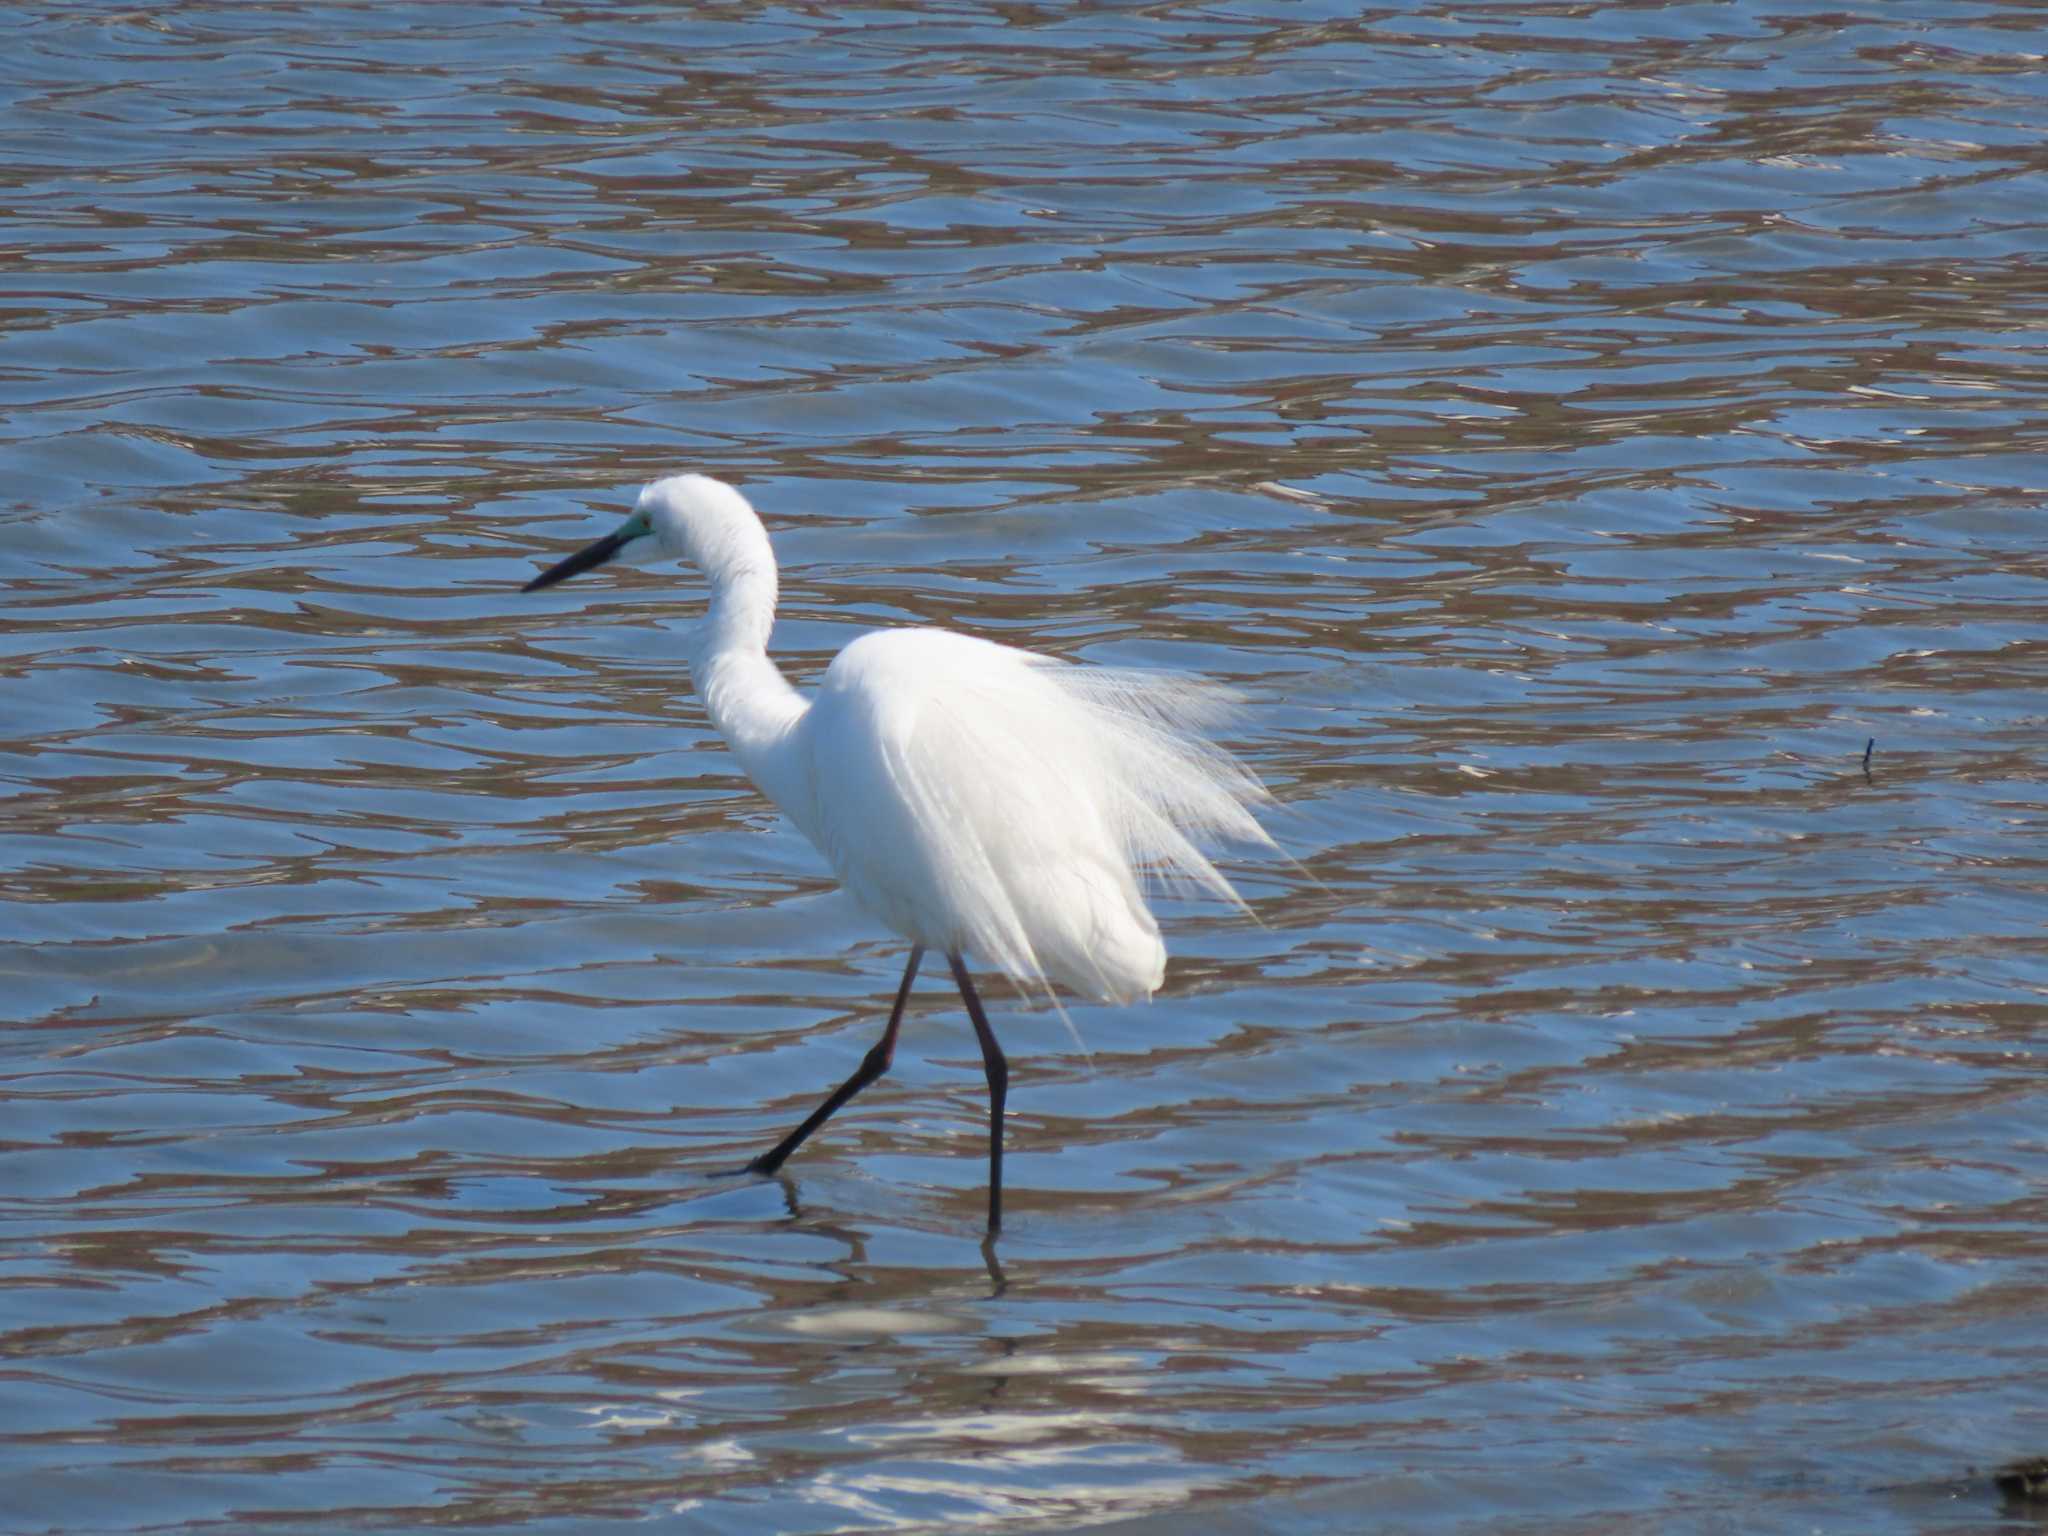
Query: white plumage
point(977, 799)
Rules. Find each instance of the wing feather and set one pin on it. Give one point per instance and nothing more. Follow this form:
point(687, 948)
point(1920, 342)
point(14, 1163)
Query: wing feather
point(979, 798)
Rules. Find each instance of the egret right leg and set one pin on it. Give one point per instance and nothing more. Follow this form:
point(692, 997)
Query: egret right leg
point(872, 1066)
point(998, 1068)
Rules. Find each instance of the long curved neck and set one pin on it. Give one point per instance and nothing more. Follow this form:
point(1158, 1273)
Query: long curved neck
point(747, 698)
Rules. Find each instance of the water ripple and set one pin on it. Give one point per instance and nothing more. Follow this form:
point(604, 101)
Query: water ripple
point(1579, 431)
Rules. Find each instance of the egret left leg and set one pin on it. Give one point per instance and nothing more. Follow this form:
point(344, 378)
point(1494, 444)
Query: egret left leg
point(998, 1068)
point(872, 1066)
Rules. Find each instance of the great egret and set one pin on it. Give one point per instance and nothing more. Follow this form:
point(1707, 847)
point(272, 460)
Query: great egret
point(978, 799)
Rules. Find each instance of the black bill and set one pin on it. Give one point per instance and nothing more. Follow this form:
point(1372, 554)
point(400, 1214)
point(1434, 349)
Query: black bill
point(590, 555)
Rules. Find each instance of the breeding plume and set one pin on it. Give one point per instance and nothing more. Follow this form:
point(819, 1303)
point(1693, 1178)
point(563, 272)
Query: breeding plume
point(979, 800)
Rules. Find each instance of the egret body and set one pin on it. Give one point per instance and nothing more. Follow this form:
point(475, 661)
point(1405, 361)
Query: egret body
point(977, 799)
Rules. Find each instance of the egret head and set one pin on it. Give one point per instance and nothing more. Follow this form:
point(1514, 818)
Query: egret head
point(684, 517)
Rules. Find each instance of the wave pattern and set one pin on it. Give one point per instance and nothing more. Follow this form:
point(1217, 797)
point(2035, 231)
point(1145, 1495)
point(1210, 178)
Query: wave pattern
point(1578, 429)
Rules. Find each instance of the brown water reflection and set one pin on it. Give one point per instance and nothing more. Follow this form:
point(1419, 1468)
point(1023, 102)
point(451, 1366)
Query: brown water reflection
point(1578, 431)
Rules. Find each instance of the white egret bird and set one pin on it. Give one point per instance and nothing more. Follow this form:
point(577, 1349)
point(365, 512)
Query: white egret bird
point(978, 799)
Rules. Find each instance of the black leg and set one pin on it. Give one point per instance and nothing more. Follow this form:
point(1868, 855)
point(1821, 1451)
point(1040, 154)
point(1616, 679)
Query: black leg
point(998, 1070)
point(872, 1066)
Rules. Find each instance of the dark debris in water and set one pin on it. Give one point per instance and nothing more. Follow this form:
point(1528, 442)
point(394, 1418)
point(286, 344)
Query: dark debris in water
point(2024, 1482)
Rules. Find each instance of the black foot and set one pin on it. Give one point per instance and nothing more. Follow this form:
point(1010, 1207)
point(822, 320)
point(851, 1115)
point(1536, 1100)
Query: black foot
point(760, 1167)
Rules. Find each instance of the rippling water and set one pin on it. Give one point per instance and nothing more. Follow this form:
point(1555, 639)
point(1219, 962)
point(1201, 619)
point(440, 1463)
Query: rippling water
point(1579, 428)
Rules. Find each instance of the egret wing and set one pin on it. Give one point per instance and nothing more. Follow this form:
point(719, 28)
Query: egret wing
point(981, 799)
